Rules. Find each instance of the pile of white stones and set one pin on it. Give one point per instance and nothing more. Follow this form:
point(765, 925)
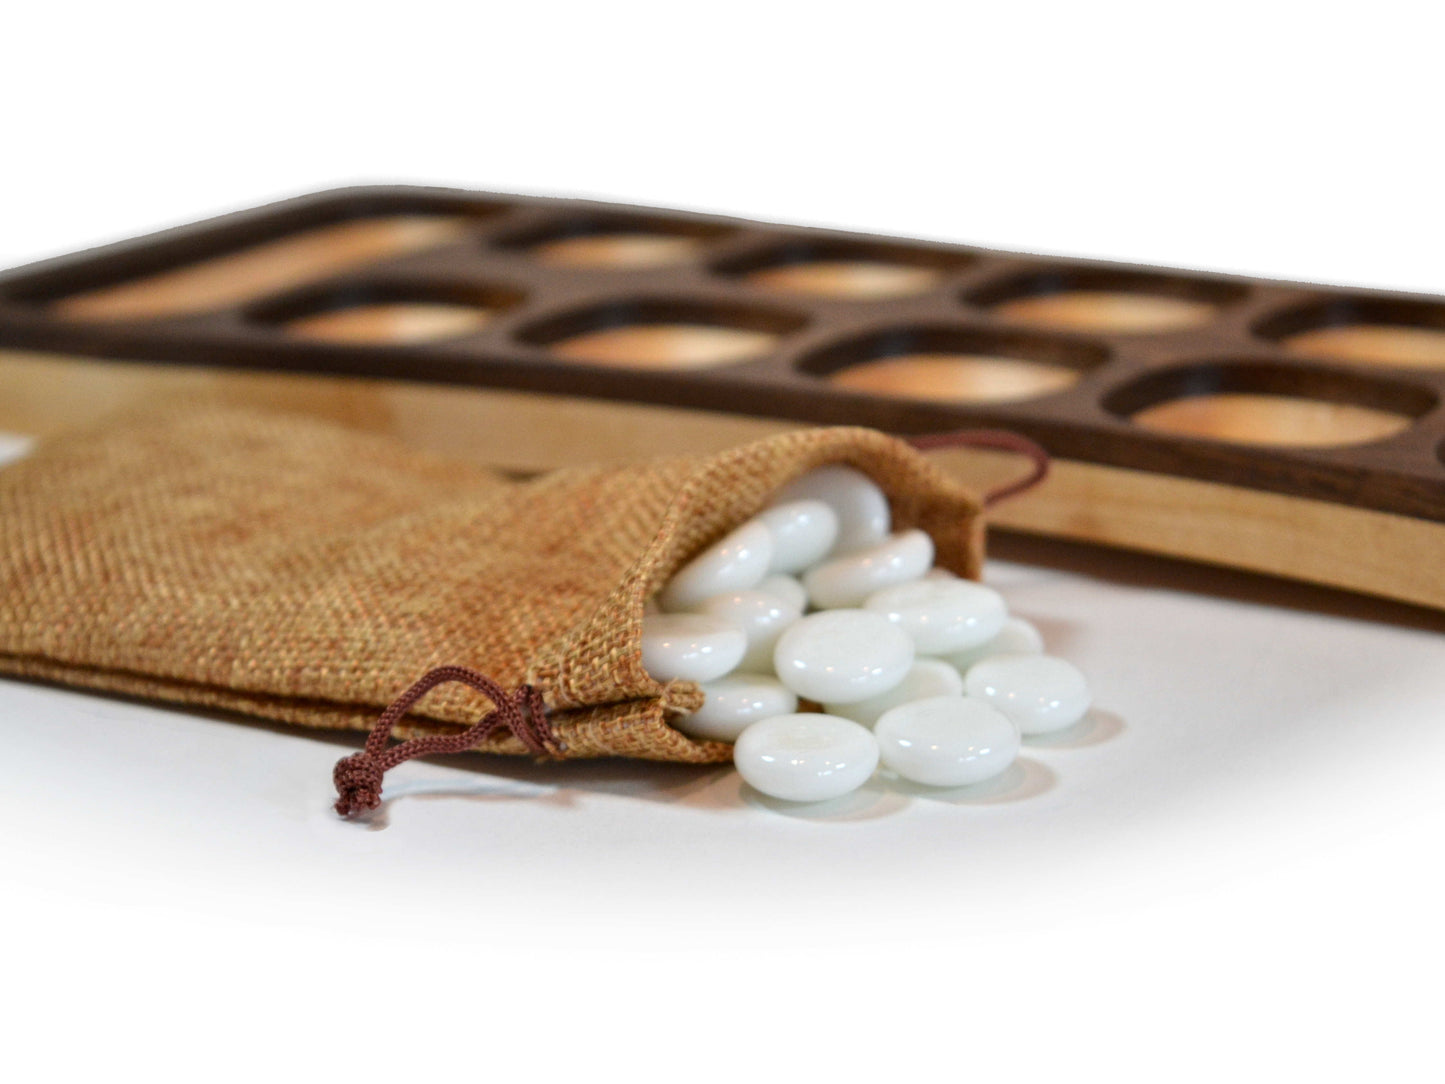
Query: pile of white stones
point(816, 603)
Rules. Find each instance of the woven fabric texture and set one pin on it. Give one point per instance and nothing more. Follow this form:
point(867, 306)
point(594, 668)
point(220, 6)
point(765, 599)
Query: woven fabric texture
point(290, 569)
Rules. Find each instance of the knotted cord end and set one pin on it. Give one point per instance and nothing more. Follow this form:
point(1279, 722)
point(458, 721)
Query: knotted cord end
point(358, 784)
point(358, 777)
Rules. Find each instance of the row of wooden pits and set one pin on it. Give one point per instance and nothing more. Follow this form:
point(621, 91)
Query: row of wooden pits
point(1033, 341)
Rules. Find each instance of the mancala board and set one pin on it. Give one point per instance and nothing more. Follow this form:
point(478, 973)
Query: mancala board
point(1279, 427)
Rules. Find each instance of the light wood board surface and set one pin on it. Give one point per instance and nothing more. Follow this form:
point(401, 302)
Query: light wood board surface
point(1360, 550)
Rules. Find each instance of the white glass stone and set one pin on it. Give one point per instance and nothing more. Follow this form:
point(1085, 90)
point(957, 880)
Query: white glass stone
point(735, 702)
point(942, 616)
point(788, 588)
point(1017, 637)
point(940, 573)
point(760, 615)
point(841, 656)
point(864, 518)
point(803, 533)
point(736, 562)
point(806, 757)
point(690, 647)
point(925, 679)
point(947, 741)
point(1038, 692)
point(845, 582)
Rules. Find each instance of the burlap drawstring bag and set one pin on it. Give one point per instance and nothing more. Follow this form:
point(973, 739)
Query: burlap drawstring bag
point(290, 569)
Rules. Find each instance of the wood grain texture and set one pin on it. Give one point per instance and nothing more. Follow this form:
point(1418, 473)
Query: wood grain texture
point(617, 250)
point(1293, 390)
point(964, 378)
point(1272, 419)
point(261, 269)
point(664, 346)
point(1373, 344)
point(1321, 542)
point(1101, 310)
point(393, 322)
point(871, 279)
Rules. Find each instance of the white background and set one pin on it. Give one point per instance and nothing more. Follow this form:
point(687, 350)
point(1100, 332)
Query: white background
point(1231, 873)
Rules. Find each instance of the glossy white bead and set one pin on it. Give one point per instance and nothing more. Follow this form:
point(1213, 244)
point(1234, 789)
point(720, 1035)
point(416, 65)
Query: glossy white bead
point(736, 562)
point(806, 758)
point(842, 655)
point(847, 581)
point(803, 533)
point(736, 702)
point(690, 647)
point(1017, 637)
point(925, 679)
point(1038, 692)
point(948, 741)
point(864, 518)
point(760, 615)
point(942, 616)
point(788, 588)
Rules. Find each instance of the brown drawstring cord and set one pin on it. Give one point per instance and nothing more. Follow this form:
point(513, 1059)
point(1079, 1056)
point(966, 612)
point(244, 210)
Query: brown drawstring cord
point(999, 439)
point(358, 777)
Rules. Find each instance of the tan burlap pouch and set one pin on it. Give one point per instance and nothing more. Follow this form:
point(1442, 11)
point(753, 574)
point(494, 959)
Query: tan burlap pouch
point(290, 569)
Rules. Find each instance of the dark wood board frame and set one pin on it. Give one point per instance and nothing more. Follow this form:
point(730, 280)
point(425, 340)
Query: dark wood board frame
point(1088, 423)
